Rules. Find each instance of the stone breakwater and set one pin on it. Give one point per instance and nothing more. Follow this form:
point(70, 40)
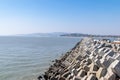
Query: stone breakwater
point(90, 59)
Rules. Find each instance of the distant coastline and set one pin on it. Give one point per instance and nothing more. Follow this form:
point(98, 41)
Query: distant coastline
point(89, 35)
point(65, 34)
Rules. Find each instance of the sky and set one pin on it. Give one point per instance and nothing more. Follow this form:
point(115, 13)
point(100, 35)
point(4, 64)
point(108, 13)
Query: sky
point(45, 16)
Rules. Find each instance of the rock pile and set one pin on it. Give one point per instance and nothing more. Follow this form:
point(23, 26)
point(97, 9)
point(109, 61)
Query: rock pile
point(90, 59)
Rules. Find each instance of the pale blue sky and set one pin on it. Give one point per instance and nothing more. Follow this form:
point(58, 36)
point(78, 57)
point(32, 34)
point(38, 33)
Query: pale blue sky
point(41, 16)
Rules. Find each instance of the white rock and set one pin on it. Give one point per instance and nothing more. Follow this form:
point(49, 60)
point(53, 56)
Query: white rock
point(115, 66)
point(92, 77)
point(82, 73)
point(117, 56)
point(93, 67)
point(101, 72)
point(106, 62)
point(109, 53)
point(84, 78)
point(110, 75)
point(97, 61)
point(77, 78)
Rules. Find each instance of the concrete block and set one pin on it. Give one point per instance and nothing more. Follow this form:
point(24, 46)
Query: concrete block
point(84, 78)
point(101, 72)
point(110, 76)
point(106, 62)
point(93, 67)
point(98, 63)
point(92, 77)
point(82, 73)
point(115, 66)
point(109, 53)
point(77, 78)
point(86, 68)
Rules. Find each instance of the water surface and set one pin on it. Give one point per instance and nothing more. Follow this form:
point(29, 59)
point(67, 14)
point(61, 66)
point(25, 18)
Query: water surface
point(24, 58)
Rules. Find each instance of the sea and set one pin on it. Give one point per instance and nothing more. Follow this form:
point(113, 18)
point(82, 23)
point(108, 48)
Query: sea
point(25, 58)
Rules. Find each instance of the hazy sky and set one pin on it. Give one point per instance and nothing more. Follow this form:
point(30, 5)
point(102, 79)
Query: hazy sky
point(82, 16)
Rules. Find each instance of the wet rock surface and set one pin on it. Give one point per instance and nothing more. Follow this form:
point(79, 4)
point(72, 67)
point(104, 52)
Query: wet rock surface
point(90, 59)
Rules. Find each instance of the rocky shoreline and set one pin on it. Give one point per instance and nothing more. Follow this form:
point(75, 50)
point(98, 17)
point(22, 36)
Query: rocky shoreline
point(90, 59)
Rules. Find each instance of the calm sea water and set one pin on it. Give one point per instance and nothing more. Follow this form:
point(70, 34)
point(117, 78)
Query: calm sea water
point(25, 58)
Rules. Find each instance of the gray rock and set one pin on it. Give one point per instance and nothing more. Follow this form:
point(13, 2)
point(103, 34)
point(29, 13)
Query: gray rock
point(75, 72)
point(66, 74)
point(102, 78)
point(101, 52)
point(101, 72)
point(61, 78)
point(110, 75)
point(92, 77)
point(98, 57)
point(89, 61)
point(84, 78)
point(106, 63)
point(77, 78)
point(98, 63)
point(93, 67)
point(117, 56)
point(109, 53)
point(79, 58)
point(82, 73)
point(86, 68)
point(115, 66)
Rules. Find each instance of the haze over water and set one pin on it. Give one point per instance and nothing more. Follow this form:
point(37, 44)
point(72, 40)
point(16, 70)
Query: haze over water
point(25, 58)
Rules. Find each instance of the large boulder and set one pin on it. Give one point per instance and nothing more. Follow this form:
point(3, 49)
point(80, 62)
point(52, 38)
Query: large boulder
point(115, 66)
point(76, 78)
point(106, 62)
point(93, 67)
point(82, 73)
point(92, 77)
point(110, 75)
point(101, 72)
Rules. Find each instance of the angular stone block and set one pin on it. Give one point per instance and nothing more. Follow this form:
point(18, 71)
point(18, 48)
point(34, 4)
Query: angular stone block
point(97, 61)
point(110, 76)
point(91, 72)
point(86, 68)
point(89, 61)
point(117, 56)
point(106, 50)
point(101, 45)
point(75, 72)
point(115, 66)
point(61, 78)
point(106, 62)
point(102, 78)
point(84, 78)
point(110, 53)
point(79, 58)
point(66, 74)
point(82, 73)
point(101, 72)
point(77, 65)
point(93, 67)
point(77, 78)
point(92, 77)
point(101, 53)
point(98, 57)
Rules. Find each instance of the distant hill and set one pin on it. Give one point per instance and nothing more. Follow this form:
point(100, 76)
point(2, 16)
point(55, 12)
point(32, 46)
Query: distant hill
point(63, 34)
point(88, 35)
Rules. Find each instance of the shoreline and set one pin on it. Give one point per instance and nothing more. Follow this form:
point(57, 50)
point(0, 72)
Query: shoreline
point(90, 59)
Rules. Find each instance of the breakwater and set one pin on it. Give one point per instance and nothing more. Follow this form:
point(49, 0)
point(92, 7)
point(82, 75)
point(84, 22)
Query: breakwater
point(90, 59)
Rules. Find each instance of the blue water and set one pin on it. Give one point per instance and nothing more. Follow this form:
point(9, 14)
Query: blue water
point(25, 58)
